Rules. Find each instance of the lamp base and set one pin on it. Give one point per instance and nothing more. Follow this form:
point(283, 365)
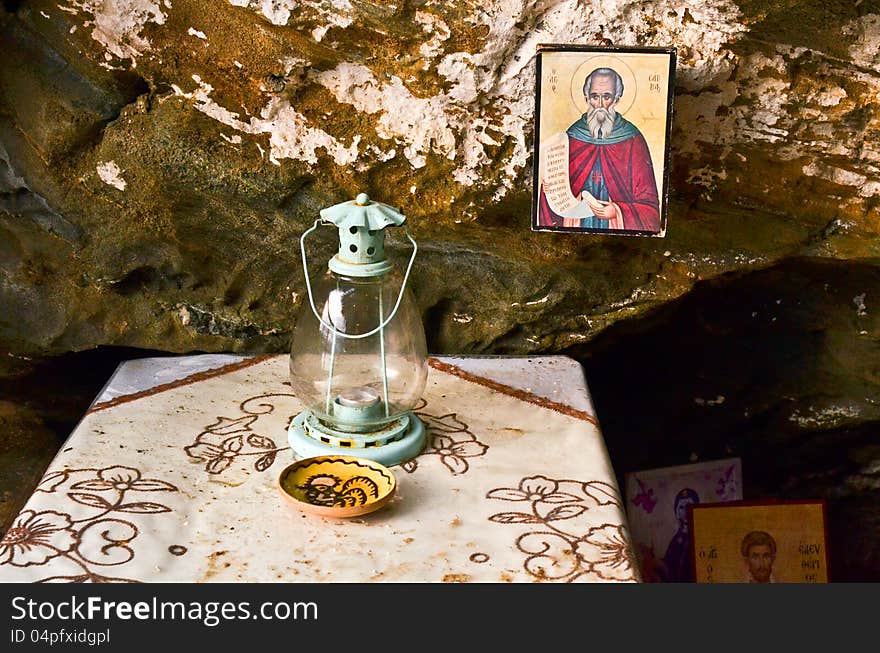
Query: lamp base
point(408, 446)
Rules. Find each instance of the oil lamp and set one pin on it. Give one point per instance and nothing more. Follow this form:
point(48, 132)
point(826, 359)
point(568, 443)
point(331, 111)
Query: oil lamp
point(358, 359)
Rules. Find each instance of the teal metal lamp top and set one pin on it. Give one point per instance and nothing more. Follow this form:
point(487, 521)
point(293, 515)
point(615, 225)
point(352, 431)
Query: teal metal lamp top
point(363, 212)
point(361, 223)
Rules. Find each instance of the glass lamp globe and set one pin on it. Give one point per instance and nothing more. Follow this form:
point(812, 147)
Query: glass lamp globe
point(358, 359)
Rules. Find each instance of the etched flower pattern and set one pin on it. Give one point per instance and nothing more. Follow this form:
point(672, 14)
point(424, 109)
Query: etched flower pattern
point(230, 438)
point(605, 550)
point(101, 537)
point(534, 488)
point(36, 537)
point(122, 479)
point(217, 457)
point(556, 545)
point(449, 438)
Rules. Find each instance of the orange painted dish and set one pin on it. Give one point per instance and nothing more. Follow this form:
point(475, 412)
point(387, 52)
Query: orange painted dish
point(337, 486)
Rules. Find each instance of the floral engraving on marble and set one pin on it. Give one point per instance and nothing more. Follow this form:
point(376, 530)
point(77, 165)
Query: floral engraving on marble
point(448, 437)
point(77, 546)
point(231, 438)
point(558, 545)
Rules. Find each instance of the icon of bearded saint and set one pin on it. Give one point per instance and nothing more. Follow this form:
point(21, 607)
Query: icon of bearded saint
point(609, 164)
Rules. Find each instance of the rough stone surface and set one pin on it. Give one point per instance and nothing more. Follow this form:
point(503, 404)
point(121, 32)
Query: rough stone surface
point(779, 367)
point(40, 404)
point(26, 449)
point(158, 162)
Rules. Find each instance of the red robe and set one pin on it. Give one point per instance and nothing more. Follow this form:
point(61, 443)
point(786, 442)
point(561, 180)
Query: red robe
point(629, 176)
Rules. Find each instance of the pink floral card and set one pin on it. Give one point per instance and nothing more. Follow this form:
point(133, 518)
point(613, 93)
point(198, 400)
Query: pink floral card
point(657, 503)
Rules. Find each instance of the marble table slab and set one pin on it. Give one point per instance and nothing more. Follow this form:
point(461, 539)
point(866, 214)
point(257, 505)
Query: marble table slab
point(171, 477)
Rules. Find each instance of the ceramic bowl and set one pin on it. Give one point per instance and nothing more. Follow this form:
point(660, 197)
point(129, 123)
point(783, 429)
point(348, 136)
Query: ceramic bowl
point(337, 486)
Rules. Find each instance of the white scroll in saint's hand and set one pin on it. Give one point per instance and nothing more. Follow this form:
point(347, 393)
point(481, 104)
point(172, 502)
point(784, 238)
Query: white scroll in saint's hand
point(554, 179)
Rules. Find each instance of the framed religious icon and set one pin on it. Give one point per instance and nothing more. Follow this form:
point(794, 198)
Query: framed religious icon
point(603, 118)
point(657, 503)
point(759, 542)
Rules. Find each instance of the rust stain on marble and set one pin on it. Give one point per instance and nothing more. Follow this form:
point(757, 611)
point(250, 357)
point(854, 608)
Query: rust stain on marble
point(192, 378)
point(522, 395)
point(216, 565)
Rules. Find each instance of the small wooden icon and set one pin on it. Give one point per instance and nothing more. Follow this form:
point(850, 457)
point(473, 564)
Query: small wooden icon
point(760, 542)
point(603, 118)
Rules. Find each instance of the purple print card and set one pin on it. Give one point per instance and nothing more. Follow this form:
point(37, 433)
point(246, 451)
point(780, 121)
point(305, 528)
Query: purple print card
point(657, 503)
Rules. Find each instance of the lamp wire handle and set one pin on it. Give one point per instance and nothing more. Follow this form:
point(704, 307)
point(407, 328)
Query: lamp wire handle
point(382, 325)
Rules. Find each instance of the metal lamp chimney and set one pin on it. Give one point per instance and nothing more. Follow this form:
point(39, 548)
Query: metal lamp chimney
point(359, 367)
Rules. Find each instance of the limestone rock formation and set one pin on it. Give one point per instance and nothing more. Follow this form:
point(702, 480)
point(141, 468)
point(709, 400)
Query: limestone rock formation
point(160, 161)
